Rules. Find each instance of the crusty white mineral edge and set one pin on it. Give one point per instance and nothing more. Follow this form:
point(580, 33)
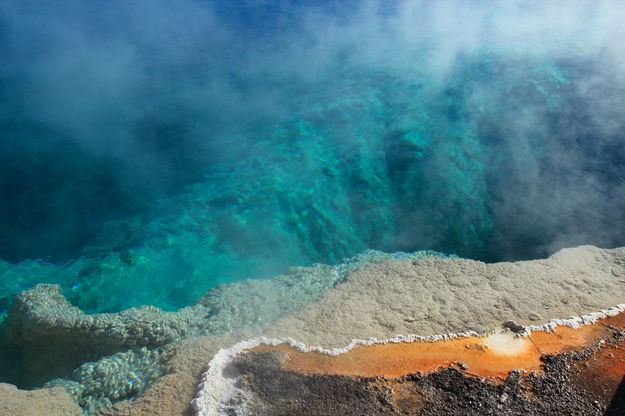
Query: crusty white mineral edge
point(215, 388)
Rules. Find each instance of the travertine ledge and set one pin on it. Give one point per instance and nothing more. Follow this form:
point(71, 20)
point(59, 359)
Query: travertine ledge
point(251, 377)
point(372, 296)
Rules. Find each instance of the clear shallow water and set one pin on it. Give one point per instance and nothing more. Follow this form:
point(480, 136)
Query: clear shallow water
point(150, 152)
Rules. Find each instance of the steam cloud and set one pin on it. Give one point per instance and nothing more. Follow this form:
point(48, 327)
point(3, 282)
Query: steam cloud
point(106, 106)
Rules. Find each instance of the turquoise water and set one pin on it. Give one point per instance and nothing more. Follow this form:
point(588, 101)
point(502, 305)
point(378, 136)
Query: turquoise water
point(157, 153)
point(173, 154)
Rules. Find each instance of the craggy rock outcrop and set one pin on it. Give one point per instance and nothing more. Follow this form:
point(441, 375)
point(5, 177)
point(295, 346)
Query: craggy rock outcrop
point(42, 402)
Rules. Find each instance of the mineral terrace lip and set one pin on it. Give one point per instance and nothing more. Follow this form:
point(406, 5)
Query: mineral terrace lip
point(582, 356)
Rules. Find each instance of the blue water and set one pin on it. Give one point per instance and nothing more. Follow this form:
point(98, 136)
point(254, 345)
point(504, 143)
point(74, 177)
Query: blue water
point(151, 150)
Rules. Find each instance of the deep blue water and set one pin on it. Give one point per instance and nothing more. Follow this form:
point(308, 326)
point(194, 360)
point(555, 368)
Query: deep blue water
point(150, 150)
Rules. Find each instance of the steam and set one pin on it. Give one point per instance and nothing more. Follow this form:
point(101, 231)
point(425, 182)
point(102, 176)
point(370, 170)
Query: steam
point(124, 102)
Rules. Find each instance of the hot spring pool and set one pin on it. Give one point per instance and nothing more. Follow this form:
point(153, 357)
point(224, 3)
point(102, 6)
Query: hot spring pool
point(152, 151)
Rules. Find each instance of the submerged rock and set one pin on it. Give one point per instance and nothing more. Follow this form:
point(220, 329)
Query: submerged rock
point(120, 376)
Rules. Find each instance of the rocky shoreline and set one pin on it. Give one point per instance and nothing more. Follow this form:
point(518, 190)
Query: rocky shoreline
point(424, 295)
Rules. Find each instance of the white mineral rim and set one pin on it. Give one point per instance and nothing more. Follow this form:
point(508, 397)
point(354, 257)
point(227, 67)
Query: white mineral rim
point(216, 388)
